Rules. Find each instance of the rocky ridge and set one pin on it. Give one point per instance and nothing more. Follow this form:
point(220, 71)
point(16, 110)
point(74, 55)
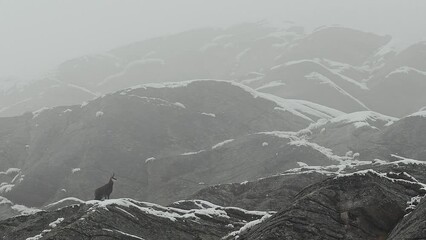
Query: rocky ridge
point(309, 202)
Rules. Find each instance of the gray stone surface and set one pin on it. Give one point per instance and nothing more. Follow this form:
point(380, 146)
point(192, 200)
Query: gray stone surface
point(271, 193)
point(360, 206)
point(412, 226)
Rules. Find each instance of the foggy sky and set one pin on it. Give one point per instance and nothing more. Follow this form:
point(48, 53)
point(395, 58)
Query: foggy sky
point(36, 35)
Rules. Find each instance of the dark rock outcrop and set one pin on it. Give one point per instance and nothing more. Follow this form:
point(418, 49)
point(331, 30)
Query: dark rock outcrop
point(331, 202)
point(413, 225)
point(366, 205)
point(271, 193)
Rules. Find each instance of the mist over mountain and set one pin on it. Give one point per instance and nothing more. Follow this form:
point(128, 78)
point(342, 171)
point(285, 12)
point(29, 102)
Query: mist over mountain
point(255, 130)
point(337, 67)
point(37, 35)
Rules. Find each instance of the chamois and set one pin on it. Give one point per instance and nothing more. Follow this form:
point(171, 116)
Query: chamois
point(106, 190)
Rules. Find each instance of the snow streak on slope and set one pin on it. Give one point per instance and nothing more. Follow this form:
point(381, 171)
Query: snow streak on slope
point(362, 116)
point(315, 109)
point(83, 89)
point(358, 119)
point(340, 67)
point(221, 144)
point(20, 209)
point(303, 109)
point(300, 108)
point(247, 227)
point(64, 200)
point(272, 84)
point(3, 109)
point(341, 162)
point(132, 65)
point(205, 209)
point(406, 70)
point(325, 80)
point(418, 114)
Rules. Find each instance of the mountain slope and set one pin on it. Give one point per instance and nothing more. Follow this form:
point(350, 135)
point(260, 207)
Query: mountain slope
point(339, 201)
point(338, 44)
point(269, 193)
point(313, 81)
point(342, 68)
point(407, 137)
point(66, 151)
point(236, 160)
point(334, 209)
point(409, 227)
point(354, 133)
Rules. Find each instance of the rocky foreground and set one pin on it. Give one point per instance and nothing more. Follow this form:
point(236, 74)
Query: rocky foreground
point(130, 219)
point(380, 200)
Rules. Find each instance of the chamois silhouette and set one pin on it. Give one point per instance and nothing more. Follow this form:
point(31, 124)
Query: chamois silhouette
point(106, 190)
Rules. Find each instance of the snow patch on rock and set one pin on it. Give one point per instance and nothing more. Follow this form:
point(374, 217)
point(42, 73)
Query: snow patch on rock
point(84, 104)
point(36, 237)
point(99, 114)
point(123, 233)
point(418, 114)
point(248, 226)
point(178, 104)
point(221, 144)
point(405, 70)
point(192, 153)
point(38, 112)
point(5, 187)
point(56, 222)
point(11, 171)
point(209, 114)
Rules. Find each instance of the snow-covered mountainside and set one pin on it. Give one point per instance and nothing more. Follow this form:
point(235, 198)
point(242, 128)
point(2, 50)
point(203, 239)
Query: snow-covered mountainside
point(318, 135)
point(369, 135)
point(286, 181)
point(236, 160)
point(357, 133)
point(155, 138)
point(341, 68)
point(167, 141)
